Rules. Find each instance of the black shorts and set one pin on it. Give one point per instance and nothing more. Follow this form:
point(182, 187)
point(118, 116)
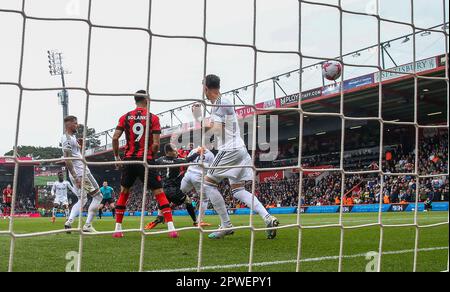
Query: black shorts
point(175, 195)
point(107, 201)
point(7, 205)
point(131, 172)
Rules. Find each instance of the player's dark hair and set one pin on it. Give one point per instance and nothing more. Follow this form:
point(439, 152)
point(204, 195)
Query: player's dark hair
point(70, 119)
point(139, 98)
point(169, 148)
point(212, 81)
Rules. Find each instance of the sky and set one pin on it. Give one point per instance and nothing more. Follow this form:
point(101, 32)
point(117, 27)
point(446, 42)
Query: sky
point(119, 58)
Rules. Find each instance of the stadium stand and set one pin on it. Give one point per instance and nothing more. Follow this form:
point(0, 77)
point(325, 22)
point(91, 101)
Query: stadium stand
point(361, 190)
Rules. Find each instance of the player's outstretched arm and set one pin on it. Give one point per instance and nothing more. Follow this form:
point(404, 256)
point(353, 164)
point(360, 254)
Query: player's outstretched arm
point(193, 156)
point(115, 142)
point(69, 165)
point(156, 134)
point(72, 189)
point(156, 143)
point(198, 116)
point(113, 192)
point(53, 191)
point(67, 152)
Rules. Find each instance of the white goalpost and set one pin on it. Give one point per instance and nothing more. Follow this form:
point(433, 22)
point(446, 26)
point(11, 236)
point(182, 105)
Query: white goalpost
point(299, 225)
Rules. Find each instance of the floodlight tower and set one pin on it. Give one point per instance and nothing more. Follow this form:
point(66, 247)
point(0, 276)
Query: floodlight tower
point(56, 68)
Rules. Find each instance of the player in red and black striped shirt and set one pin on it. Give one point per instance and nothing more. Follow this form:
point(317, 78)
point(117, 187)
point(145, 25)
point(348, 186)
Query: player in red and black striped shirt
point(134, 124)
point(7, 200)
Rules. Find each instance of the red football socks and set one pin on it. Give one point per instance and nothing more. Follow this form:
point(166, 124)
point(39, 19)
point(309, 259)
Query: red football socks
point(121, 207)
point(164, 206)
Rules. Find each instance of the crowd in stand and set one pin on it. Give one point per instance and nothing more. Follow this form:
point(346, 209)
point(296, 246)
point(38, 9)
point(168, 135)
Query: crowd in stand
point(433, 158)
point(358, 189)
point(23, 204)
point(135, 200)
point(278, 194)
point(326, 189)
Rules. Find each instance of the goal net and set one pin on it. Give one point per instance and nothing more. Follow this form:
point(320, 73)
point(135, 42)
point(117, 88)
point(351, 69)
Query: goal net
point(299, 106)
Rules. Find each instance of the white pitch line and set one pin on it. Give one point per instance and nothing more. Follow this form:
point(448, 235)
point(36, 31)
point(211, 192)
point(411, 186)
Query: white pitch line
point(319, 259)
point(374, 220)
point(310, 223)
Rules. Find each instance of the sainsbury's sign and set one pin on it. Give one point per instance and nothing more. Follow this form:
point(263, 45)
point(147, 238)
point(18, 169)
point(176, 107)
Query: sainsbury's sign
point(421, 66)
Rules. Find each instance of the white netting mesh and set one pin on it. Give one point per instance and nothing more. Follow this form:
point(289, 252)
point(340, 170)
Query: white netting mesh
point(298, 225)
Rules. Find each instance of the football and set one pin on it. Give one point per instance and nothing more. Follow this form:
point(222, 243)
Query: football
point(332, 70)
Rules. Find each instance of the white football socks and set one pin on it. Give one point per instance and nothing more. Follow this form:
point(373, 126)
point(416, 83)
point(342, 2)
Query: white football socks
point(93, 208)
point(75, 211)
point(92, 211)
point(245, 197)
point(204, 207)
point(218, 203)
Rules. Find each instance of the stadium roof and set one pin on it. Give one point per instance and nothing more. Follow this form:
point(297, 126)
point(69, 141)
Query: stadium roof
point(7, 168)
point(9, 161)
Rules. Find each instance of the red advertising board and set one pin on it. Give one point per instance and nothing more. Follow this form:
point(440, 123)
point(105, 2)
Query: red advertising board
point(314, 173)
point(27, 215)
point(4, 160)
point(271, 175)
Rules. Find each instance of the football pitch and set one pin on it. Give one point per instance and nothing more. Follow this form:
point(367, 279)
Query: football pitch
point(319, 250)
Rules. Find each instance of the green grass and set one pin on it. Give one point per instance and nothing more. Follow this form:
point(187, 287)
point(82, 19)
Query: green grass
point(104, 253)
point(43, 180)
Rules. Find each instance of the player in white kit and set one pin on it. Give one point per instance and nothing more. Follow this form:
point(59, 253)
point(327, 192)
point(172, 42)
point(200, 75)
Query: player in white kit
point(193, 181)
point(233, 153)
point(59, 191)
point(72, 149)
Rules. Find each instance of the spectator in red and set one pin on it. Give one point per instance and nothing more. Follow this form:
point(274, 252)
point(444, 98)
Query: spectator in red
point(337, 200)
point(183, 153)
point(7, 200)
point(349, 201)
